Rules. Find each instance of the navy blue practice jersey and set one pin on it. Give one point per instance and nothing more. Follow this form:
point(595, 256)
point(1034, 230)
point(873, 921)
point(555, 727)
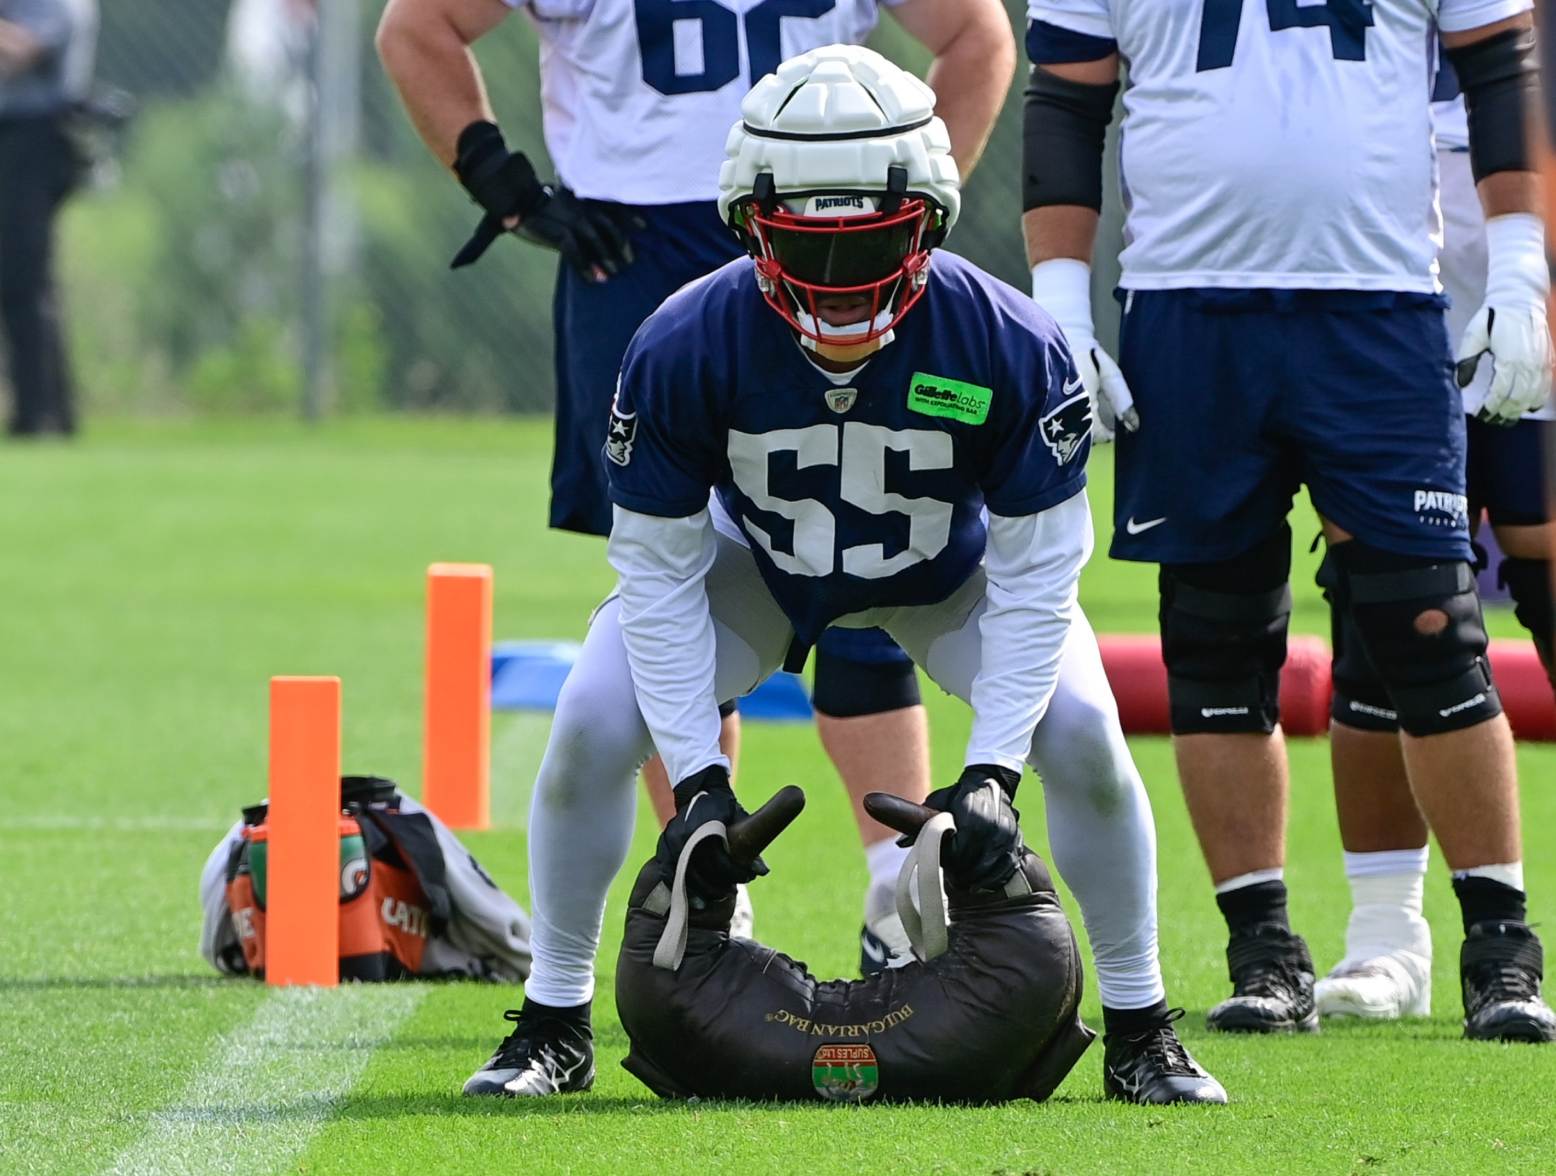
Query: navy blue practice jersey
point(858, 496)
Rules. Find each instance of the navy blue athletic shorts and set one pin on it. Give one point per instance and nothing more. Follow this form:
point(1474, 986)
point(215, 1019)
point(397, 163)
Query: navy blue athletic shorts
point(1506, 472)
point(594, 323)
point(1245, 395)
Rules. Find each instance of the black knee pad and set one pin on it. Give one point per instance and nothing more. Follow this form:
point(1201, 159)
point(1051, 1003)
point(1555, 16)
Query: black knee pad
point(1422, 628)
point(1224, 639)
point(1360, 699)
point(1528, 581)
point(862, 672)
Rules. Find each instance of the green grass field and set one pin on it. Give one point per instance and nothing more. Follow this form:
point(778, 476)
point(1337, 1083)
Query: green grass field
point(155, 576)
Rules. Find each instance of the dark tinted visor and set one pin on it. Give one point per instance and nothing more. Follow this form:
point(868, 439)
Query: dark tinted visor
point(843, 252)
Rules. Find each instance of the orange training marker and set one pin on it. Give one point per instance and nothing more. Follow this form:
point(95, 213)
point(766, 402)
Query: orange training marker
point(456, 757)
point(302, 923)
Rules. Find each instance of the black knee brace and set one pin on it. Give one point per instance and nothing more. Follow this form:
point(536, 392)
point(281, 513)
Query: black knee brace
point(861, 672)
point(1224, 639)
point(1421, 625)
point(1528, 581)
point(1360, 699)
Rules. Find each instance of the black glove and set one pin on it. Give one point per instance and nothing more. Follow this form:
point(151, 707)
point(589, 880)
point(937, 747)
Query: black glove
point(985, 849)
point(586, 233)
point(710, 875)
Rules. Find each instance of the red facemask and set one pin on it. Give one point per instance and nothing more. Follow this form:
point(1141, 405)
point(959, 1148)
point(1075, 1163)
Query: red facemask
point(876, 260)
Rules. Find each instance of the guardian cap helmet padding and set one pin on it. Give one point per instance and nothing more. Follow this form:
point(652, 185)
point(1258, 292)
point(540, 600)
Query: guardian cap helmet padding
point(839, 181)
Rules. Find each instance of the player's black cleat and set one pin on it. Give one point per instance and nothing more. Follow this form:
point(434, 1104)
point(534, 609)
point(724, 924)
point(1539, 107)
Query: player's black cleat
point(543, 1055)
point(1154, 1067)
point(1272, 984)
point(1500, 967)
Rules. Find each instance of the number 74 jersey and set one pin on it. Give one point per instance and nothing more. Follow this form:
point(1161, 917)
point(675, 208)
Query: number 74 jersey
point(1273, 143)
point(638, 95)
point(860, 492)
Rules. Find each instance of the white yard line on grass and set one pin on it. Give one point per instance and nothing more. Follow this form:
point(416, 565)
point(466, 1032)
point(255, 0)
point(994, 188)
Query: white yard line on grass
point(267, 1088)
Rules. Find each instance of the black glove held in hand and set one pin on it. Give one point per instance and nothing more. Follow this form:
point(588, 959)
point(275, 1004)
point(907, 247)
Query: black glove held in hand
point(702, 797)
point(984, 851)
point(584, 232)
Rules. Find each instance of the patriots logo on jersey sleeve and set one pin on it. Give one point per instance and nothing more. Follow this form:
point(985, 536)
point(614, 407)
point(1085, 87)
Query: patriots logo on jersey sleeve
point(622, 433)
point(1068, 425)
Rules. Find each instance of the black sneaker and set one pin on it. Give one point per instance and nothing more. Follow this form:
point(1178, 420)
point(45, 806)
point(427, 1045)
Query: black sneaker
point(874, 955)
point(1272, 984)
point(543, 1055)
point(1153, 1067)
point(1500, 967)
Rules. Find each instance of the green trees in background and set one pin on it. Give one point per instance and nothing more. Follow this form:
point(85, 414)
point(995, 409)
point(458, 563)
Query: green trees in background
point(184, 279)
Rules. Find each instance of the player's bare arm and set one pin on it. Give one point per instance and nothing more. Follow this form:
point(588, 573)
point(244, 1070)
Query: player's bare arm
point(975, 60)
point(1069, 230)
point(1499, 74)
point(1511, 190)
point(425, 48)
point(1064, 123)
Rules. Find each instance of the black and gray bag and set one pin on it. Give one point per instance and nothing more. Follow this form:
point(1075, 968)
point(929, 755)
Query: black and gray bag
point(987, 1011)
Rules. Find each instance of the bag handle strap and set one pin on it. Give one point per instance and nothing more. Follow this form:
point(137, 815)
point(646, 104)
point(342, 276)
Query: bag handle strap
point(925, 921)
point(671, 948)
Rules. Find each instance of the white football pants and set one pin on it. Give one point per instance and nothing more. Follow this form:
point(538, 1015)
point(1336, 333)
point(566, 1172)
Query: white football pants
point(1100, 828)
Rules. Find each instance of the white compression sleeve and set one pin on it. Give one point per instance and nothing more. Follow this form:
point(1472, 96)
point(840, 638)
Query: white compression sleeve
point(1033, 563)
point(668, 632)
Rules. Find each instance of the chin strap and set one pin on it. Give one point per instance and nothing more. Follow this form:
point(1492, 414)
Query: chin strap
point(920, 900)
point(671, 948)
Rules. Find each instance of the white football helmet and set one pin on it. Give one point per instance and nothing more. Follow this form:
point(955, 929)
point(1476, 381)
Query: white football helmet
point(839, 181)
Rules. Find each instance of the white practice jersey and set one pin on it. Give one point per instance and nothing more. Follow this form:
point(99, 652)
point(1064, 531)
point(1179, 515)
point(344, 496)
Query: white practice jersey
point(1278, 143)
point(1451, 125)
point(638, 95)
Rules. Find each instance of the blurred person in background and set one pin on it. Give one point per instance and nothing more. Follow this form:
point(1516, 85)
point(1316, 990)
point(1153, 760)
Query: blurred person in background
point(636, 110)
point(46, 57)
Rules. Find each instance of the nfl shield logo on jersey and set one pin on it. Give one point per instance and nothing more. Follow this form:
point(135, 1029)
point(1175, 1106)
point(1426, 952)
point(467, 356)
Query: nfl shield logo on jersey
point(841, 399)
point(1067, 426)
point(622, 432)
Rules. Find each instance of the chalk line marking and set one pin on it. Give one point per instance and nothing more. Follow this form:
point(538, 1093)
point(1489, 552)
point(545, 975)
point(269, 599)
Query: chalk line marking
point(267, 1088)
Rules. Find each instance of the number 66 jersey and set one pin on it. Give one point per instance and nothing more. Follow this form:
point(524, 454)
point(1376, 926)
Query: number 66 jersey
point(638, 95)
point(858, 491)
point(1272, 143)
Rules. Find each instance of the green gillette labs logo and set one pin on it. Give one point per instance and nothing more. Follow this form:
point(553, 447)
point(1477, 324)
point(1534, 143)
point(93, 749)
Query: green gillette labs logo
point(942, 397)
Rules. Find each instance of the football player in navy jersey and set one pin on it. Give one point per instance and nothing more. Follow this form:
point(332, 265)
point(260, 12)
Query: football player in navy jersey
point(845, 429)
point(637, 96)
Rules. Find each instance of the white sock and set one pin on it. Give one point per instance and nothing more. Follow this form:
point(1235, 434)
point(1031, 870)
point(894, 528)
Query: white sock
point(884, 860)
point(1386, 891)
point(1100, 830)
point(1252, 878)
point(1508, 873)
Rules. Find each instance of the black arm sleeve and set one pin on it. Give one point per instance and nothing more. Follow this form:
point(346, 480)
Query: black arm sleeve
point(1063, 126)
point(1500, 77)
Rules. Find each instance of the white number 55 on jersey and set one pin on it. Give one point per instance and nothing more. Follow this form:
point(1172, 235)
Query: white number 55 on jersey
point(859, 452)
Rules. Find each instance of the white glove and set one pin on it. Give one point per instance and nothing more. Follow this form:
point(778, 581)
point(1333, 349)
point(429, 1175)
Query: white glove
point(1511, 324)
point(1062, 287)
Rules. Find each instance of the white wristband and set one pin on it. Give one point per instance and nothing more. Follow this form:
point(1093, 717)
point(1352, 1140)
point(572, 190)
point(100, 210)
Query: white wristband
point(1517, 273)
point(1062, 287)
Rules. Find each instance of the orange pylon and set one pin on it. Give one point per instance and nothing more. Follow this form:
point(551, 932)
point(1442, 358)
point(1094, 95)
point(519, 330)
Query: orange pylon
point(302, 915)
point(456, 755)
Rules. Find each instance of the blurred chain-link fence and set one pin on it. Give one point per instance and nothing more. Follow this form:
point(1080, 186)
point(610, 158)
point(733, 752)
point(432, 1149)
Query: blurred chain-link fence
point(273, 234)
